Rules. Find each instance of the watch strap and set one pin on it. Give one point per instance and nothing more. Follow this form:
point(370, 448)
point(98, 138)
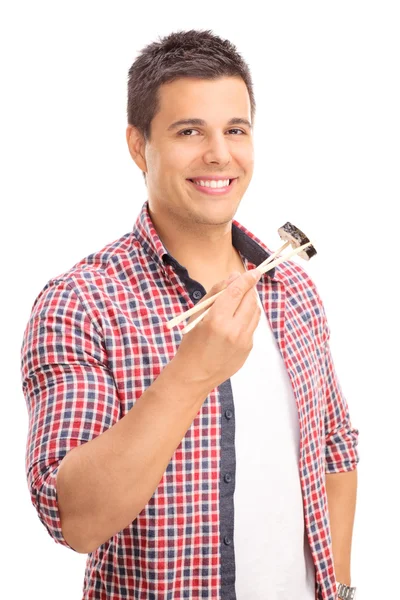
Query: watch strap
point(345, 592)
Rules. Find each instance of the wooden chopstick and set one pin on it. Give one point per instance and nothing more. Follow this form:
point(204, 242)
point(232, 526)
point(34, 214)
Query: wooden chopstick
point(275, 254)
point(185, 315)
point(268, 260)
point(264, 267)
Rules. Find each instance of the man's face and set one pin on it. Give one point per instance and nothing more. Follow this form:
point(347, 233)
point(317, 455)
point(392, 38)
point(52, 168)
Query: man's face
point(215, 148)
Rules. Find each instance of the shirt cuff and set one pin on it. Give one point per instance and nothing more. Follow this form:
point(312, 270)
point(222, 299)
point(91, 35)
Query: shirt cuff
point(341, 454)
point(45, 501)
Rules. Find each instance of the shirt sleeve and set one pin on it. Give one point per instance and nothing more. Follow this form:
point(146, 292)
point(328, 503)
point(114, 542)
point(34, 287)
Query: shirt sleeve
point(70, 394)
point(341, 437)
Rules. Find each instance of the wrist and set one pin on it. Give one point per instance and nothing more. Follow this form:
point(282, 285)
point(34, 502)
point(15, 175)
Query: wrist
point(342, 574)
point(190, 386)
point(193, 380)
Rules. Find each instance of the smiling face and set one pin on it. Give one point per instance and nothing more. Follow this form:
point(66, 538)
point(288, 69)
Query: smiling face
point(217, 145)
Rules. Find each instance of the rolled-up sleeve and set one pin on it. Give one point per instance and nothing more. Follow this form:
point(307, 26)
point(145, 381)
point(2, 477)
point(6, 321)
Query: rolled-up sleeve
point(341, 438)
point(70, 394)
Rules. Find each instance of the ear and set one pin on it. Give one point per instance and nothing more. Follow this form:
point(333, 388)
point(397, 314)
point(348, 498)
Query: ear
point(136, 145)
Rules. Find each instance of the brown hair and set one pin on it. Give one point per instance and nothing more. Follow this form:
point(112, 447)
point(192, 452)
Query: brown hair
point(193, 53)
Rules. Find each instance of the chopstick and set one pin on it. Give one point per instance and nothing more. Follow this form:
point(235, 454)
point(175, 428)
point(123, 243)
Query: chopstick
point(267, 261)
point(185, 315)
point(264, 267)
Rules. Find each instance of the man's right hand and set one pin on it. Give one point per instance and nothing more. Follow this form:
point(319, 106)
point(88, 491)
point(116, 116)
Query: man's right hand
point(218, 346)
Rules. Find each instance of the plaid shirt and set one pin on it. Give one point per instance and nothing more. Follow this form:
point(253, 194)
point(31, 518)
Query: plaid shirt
point(97, 339)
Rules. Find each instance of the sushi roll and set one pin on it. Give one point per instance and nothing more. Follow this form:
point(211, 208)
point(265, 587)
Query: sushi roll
point(290, 233)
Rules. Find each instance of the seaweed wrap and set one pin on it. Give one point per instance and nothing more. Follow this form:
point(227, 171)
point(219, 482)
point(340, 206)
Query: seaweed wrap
point(290, 233)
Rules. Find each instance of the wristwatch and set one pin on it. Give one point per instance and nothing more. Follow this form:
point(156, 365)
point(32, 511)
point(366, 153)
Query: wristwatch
point(345, 592)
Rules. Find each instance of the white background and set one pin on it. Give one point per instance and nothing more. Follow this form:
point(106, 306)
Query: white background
point(327, 142)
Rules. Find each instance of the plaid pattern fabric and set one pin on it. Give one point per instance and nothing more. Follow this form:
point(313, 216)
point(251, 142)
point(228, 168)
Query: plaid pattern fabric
point(96, 340)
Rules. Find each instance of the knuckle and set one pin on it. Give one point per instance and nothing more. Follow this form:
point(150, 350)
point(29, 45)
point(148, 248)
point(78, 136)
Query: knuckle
point(246, 348)
point(235, 291)
point(217, 325)
point(242, 339)
point(233, 337)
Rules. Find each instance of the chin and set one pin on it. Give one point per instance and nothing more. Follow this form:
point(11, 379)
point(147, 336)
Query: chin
point(217, 217)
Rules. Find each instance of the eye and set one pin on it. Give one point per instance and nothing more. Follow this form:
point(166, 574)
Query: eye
point(185, 130)
point(181, 133)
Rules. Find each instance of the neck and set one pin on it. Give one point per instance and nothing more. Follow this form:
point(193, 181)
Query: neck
point(206, 252)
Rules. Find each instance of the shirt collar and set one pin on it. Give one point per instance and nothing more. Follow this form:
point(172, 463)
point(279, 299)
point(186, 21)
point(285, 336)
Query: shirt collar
point(251, 248)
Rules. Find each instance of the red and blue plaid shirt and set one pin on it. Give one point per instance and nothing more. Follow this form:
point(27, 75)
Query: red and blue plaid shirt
point(97, 339)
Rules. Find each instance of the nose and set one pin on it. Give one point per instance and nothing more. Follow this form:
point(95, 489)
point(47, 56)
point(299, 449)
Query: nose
point(217, 151)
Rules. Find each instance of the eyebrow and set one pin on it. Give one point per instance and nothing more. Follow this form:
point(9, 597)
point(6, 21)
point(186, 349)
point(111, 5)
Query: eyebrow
point(202, 123)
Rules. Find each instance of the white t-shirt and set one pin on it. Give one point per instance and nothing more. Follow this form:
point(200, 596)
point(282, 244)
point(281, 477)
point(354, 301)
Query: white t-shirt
point(272, 553)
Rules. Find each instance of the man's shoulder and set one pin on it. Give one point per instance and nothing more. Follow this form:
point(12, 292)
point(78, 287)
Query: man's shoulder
point(101, 261)
point(111, 265)
point(295, 277)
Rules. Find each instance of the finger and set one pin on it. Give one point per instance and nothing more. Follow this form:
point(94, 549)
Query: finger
point(220, 285)
point(228, 303)
point(217, 287)
point(247, 308)
point(254, 321)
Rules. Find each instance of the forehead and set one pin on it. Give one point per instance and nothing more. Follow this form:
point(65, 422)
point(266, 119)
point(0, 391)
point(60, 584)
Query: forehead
point(208, 99)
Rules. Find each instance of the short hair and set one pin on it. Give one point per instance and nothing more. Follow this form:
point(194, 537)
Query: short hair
point(195, 53)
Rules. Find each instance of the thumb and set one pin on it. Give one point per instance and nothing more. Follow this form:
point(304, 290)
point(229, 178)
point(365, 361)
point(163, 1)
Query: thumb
point(232, 277)
point(220, 285)
point(217, 287)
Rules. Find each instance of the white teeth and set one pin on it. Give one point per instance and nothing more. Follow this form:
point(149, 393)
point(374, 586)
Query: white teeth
point(213, 183)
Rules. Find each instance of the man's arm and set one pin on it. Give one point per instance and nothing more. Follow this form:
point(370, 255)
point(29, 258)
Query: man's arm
point(90, 472)
point(104, 484)
point(341, 491)
point(341, 459)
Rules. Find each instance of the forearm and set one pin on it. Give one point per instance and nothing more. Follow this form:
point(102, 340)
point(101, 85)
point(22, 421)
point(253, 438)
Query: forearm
point(104, 484)
point(341, 490)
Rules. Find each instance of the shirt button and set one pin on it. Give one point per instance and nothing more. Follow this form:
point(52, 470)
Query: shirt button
point(197, 294)
point(228, 477)
point(227, 540)
point(228, 414)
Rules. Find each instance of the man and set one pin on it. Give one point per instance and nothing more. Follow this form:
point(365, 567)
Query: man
point(203, 465)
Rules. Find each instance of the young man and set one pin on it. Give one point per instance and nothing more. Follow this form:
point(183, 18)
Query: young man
point(203, 465)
